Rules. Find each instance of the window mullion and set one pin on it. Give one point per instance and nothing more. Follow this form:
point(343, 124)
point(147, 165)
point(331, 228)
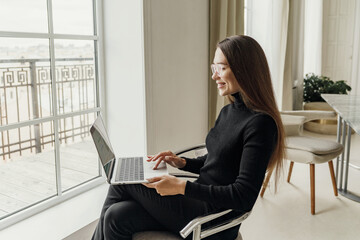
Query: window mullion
point(99, 60)
point(54, 98)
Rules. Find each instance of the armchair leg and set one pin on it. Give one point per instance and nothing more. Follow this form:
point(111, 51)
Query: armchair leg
point(266, 182)
point(312, 188)
point(290, 171)
point(331, 168)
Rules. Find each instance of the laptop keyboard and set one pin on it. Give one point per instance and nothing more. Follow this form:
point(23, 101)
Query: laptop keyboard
point(131, 169)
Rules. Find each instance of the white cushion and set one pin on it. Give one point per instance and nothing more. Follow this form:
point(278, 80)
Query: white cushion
point(302, 156)
point(313, 145)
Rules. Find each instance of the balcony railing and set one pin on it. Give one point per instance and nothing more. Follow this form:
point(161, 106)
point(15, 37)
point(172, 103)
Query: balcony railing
point(26, 94)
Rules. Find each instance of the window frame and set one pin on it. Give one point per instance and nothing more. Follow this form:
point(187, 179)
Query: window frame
point(97, 37)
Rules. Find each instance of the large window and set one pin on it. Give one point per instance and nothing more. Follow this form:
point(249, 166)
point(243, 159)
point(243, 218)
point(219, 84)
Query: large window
point(49, 97)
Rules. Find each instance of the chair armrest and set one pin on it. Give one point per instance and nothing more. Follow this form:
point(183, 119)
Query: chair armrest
point(188, 149)
point(293, 120)
point(312, 114)
point(195, 224)
point(184, 175)
point(292, 124)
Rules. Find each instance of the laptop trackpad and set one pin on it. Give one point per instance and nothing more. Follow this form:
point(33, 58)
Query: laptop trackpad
point(150, 172)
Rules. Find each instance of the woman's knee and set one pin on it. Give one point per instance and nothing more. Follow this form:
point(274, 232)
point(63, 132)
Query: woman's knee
point(116, 221)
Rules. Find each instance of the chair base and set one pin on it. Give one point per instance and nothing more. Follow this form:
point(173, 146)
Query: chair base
point(349, 195)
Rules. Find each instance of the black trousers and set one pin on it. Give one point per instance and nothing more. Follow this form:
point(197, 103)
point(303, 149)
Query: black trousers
point(135, 208)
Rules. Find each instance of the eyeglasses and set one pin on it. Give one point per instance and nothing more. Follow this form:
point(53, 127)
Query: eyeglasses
point(218, 69)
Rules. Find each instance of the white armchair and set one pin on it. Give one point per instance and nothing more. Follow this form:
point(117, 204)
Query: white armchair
point(308, 150)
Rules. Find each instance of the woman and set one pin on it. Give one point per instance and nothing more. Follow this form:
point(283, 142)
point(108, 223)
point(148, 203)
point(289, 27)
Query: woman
point(246, 141)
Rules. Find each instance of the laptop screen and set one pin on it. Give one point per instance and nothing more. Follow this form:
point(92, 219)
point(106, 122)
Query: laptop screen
point(102, 143)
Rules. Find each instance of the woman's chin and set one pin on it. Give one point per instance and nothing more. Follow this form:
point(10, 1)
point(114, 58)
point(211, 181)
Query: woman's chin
point(222, 93)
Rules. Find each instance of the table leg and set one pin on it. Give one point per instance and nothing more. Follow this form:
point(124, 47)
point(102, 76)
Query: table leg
point(343, 142)
point(344, 191)
point(338, 138)
point(347, 157)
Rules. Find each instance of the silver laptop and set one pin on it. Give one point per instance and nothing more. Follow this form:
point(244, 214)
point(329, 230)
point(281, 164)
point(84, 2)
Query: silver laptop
point(129, 170)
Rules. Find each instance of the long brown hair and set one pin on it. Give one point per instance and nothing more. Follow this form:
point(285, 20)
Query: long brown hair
point(248, 62)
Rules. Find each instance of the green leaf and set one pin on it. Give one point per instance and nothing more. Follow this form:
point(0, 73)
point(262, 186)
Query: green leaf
point(315, 85)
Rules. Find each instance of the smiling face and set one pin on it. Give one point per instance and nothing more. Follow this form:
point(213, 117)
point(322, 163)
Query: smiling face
point(224, 77)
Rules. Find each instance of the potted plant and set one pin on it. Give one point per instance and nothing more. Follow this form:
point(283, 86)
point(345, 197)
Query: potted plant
point(314, 86)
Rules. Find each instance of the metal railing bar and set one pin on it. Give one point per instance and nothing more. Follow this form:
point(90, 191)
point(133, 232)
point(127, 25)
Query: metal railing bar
point(17, 150)
point(49, 135)
point(32, 146)
point(47, 119)
point(66, 137)
point(20, 142)
point(83, 132)
point(6, 118)
point(28, 85)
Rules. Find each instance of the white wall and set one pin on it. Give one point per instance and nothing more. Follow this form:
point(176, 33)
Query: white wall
point(176, 54)
point(124, 68)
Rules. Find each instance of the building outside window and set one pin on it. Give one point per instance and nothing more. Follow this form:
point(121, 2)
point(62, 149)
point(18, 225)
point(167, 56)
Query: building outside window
point(49, 97)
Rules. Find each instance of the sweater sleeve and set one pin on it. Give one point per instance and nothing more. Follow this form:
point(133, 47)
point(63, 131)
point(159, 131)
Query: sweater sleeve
point(259, 140)
point(194, 164)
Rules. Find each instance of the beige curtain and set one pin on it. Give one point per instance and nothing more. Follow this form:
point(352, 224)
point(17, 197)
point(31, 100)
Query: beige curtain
point(226, 19)
point(292, 92)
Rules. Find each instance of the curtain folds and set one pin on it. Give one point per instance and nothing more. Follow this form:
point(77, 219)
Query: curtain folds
point(292, 92)
point(226, 19)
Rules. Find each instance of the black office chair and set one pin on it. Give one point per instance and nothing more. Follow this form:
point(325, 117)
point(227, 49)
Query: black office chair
point(195, 225)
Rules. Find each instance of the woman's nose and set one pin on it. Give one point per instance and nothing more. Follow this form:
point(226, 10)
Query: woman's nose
point(214, 76)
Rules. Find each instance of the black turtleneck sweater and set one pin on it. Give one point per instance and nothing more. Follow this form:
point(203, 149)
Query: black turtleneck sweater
point(239, 149)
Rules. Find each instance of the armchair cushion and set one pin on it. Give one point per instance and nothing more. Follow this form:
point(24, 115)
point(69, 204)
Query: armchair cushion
point(313, 145)
point(301, 156)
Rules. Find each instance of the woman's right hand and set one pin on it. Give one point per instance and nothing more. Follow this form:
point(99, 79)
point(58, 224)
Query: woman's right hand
point(168, 157)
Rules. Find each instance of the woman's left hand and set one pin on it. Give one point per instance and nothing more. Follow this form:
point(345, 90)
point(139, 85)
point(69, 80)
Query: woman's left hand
point(167, 185)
